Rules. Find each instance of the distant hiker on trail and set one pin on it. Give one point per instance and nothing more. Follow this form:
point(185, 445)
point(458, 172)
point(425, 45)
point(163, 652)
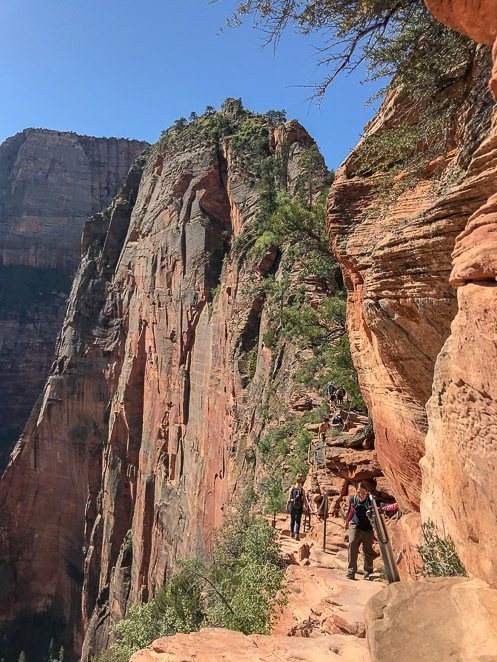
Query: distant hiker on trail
point(323, 429)
point(336, 419)
point(331, 392)
point(360, 532)
point(340, 395)
point(295, 506)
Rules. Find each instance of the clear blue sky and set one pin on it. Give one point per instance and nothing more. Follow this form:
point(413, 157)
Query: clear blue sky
point(131, 67)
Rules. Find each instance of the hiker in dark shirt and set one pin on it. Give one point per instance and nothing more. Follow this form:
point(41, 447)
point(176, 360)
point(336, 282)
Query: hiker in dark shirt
point(295, 506)
point(331, 392)
point(360, 532)
point(340, 395)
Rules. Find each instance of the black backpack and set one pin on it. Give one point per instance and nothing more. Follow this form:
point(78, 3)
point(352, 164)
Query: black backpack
point(297, 498)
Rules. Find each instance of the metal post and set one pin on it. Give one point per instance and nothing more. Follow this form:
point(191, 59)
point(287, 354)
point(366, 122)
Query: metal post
point(325, 515)
point(386, 550)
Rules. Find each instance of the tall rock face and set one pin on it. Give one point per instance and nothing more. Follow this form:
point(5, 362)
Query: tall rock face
point(459, 467)
point(396, 260)
point(50, 182)
point(148, 418)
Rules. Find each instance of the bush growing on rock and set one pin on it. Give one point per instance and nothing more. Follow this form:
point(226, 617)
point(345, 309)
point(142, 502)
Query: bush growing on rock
point(439, 554)
point(236, 588)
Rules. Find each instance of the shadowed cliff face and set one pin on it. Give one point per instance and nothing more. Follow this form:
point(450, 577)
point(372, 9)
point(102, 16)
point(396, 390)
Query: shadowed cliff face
point(461, 446)
point(50, 182)
point(129, 456)
point(396, 261)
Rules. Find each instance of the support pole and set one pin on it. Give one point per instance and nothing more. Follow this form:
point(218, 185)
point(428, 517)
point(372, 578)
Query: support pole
point(325, 516)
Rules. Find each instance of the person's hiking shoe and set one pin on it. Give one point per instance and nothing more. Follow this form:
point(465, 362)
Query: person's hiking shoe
point(349, 576)
point(367, 575)
point(297, 537)
point(292, 535)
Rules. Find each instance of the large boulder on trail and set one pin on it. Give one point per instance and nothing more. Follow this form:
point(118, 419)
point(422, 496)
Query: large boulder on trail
point(441, 618)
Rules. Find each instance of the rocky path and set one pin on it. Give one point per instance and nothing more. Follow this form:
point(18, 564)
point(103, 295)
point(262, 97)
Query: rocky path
point(322, 620)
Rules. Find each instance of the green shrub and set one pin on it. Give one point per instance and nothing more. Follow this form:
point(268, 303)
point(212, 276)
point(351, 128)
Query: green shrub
point(236, 588)
point(274, 498)
point(439, 555)
point(252, 362)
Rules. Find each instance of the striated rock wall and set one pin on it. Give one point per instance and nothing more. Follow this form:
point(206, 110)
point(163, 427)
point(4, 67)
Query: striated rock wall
point(146, 421)
point(461, 445)
point(397, 262)
point(50, 182)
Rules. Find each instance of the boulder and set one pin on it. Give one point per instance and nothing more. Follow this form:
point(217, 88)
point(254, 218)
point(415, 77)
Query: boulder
point(443, 619)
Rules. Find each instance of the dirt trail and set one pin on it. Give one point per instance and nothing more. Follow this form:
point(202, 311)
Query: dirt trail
point(321, 601)
point(323, 619)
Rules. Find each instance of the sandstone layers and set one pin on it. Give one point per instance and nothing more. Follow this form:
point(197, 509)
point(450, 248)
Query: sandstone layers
point(461, 446)
point(50, 182)
point(396, 261)
point(147, 417)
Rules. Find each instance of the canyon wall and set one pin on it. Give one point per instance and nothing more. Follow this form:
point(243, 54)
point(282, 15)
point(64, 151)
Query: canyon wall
point(150, 415)
point(461, 446)
point(50, 182)
point(396, 259)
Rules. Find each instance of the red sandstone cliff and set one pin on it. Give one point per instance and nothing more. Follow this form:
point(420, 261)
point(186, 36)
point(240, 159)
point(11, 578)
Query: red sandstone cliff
point(461, 445)
point(146, 421)
point(50, 182)
point(397, 262)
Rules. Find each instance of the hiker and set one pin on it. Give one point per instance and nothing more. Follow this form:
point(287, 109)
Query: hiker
point(295, 506)
point(323, 428)
point(360, 532)
point(340, 395)
point(336, 419)
point(331, 392)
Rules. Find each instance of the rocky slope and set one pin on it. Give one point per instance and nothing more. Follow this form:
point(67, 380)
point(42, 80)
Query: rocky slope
point(396, 259)
point(150, 414)
point(50, 182)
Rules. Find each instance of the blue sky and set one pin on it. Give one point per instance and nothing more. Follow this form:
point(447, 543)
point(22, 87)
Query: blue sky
point(129, 68)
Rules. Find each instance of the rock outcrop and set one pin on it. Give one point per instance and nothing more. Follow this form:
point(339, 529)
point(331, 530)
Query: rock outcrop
point(397, 262)
point(461, 445)
point(445, 619)
point(218, 644)
point(149, 416)
point(50, 182)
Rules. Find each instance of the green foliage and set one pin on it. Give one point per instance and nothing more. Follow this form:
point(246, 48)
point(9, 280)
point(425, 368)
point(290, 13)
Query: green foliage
point(439, 555)
point(270, 336)
point(298, 223)
point(252, 362)
point(236, 588)
point(392, 36)
point(127, 544)
point(400, 41)
point(333, 363)
point(275, 117)
point(176, 608)
point(247, 571)
point(274, 498)
point(261, 245)
point(298, 461)
point(52, 656)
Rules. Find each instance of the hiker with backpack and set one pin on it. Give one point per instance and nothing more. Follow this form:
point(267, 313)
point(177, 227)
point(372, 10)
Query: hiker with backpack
point(331, 392)
point(340, 395)
point(360, 532)
point(295, 506)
